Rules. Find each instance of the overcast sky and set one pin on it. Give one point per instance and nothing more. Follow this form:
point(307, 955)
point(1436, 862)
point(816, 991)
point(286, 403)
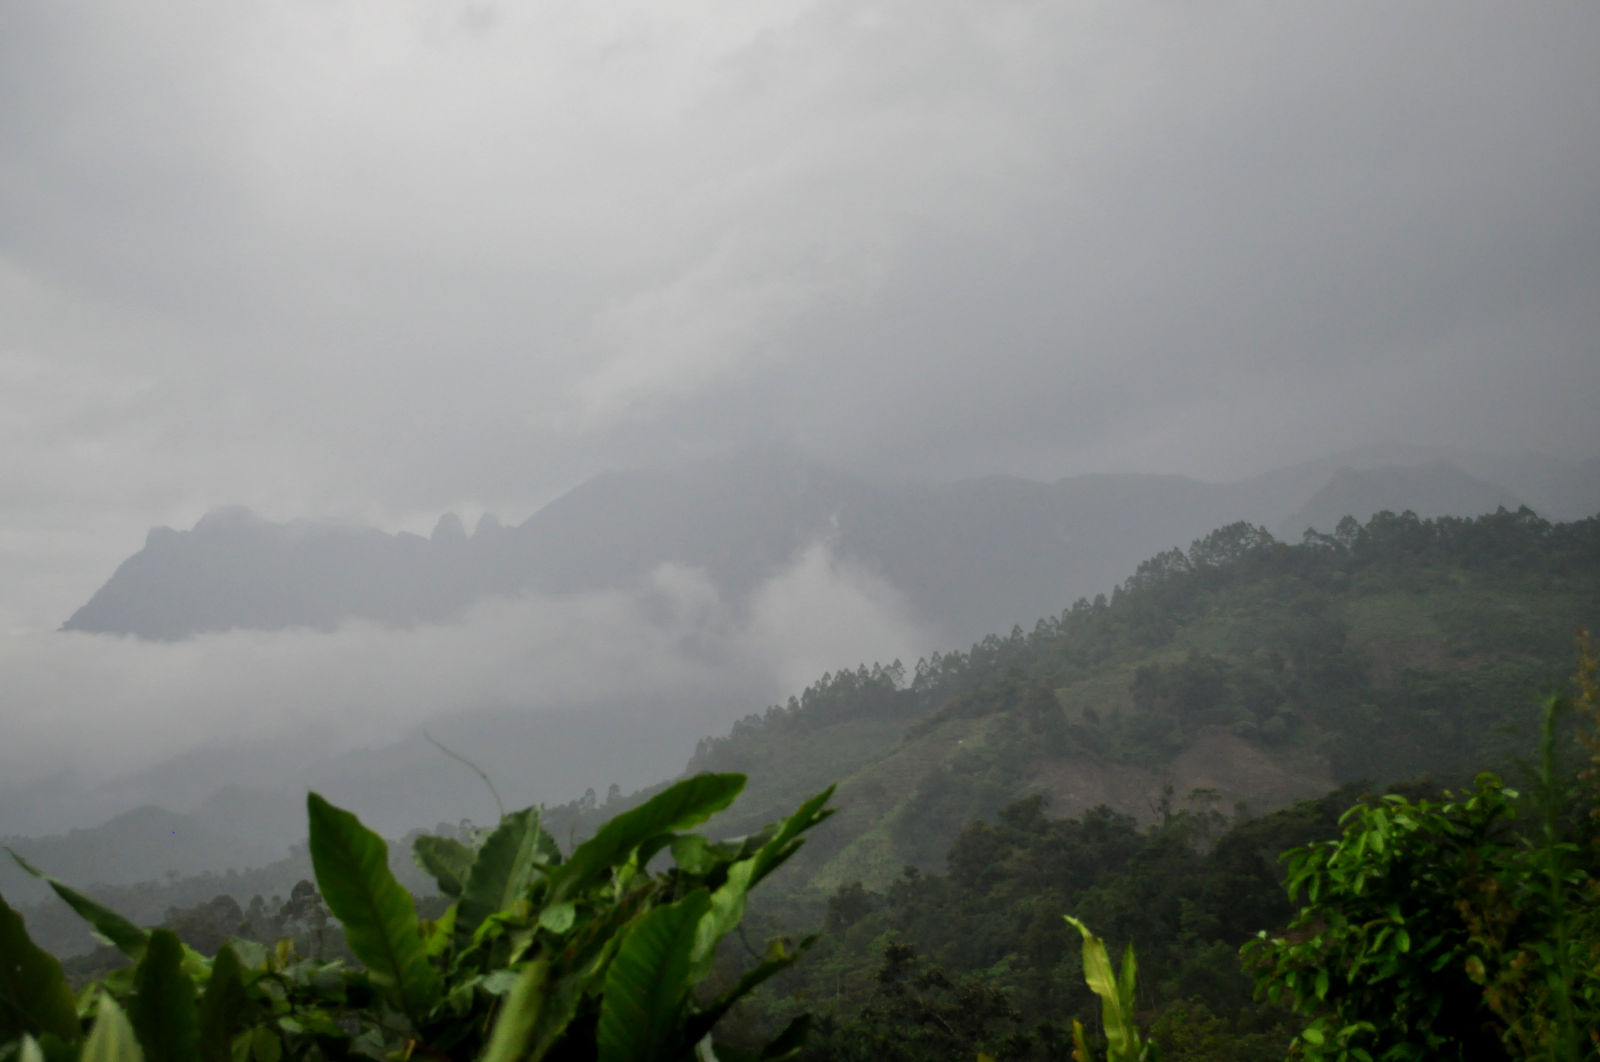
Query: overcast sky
point(377, 260)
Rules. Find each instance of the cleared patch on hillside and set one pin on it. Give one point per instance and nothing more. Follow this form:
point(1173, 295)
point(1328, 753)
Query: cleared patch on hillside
point(1216, 768)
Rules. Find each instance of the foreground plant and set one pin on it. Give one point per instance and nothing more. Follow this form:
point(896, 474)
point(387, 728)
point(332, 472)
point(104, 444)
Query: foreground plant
point(1435, 931)
point(1124, 1043)
point(590, 956)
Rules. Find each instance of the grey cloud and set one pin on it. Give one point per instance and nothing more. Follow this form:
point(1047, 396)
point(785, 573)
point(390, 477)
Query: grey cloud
point(103, 707)
point(380, 261)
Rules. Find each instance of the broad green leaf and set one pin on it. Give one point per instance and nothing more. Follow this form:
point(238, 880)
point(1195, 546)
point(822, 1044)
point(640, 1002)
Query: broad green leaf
point(112, 1038)
point(534, 1016)
point(379, 916)
point(446, 859)
point(1127, 979)
point(728, 901)
point(782, 845)
point(34, 995)
point(686, 804)
point(549, 851)
point(647, 985)
point(437, 934)
point(108, 925)
point(693, 853)
point(558, 918)
point(513, 1029)
point(1122, 1038)
point(162, 1006)
point(723, 913)
point(225, 1008)
point(501, 873)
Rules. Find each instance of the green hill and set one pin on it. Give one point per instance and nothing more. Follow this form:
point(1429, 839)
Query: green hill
point(1243, 671)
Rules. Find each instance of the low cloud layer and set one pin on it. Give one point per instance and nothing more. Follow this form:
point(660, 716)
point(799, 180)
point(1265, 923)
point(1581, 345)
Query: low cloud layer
point(378, 261)
point(103, 706)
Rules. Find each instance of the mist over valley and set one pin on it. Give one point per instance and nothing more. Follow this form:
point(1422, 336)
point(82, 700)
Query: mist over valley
point(488, 486)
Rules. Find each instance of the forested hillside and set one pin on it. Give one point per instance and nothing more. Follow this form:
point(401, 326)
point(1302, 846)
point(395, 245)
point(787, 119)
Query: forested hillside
point(1139, 760)
point(1241, 673)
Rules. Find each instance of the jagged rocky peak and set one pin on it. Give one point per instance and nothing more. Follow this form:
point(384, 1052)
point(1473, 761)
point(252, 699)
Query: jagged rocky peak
point(227, 518)
point(448, 530)
point(224, 522)
point(488, 525)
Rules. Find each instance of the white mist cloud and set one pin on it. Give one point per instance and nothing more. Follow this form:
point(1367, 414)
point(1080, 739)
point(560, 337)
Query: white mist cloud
point(822, 613)
point(367, 260)
point(105, 706)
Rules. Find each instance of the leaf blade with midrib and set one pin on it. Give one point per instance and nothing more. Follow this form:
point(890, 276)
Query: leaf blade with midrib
point(647, 985)
point(225, 1008)
point(127, 937)
point(685, 804)
point(502, 871)
point(446, 859)
point(162, 1006)
point(379, 916)
point(34, 995)
point(112, 1038)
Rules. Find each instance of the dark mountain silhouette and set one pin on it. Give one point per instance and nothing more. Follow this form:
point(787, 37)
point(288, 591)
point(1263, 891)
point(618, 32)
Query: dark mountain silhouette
point(969, 557)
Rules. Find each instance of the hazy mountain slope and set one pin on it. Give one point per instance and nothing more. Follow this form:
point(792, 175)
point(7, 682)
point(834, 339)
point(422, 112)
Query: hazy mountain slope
point(236, 570)
point(1250, 671)
point(970, 556)
point(238, 829)
point(981, 555)
point(1418, 647)
point(1560, 489)
point(1435, 489)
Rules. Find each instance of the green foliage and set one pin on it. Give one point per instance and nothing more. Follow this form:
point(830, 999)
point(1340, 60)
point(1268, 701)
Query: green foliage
point(112, 1039)
point(595, 956)
point(109, 926)
point(503, 870)
point(379, 917)
point(647, 986)
point(1439, 930)
point(1428, 632)
point(162, 1006)
point(34, 997)
point(1116, 991)
point(446, 860)
point(226, 1009)
point(982, 951)
point(634, 836)
point(915, 1010)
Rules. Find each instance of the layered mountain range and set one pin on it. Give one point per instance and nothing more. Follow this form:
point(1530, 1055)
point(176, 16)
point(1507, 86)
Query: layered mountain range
point(1244, 674)
point(969, 557)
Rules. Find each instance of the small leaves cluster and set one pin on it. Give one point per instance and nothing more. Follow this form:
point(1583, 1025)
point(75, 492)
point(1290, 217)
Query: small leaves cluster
point(1445, 930)
point(1379, 955)
point(537, 956)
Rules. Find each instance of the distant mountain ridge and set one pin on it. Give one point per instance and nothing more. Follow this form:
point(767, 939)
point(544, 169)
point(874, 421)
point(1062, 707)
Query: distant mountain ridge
point(1245, 670)
point(1434, 489)
point(969, 557)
